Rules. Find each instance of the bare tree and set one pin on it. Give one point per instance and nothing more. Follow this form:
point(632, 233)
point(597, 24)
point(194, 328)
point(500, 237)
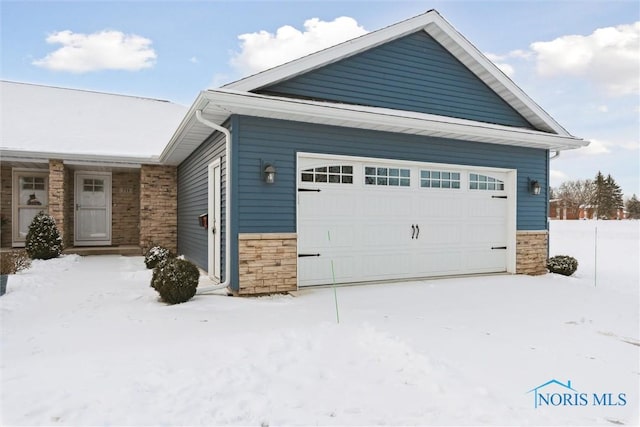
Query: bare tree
point(573, 194)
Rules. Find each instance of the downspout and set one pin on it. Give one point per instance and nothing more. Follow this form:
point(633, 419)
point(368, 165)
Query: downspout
point(227, 207)
point(555, 156)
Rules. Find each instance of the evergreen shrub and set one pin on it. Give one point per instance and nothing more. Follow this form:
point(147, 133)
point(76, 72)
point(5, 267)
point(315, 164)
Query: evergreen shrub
point(562, 264)
point(43, 238)
point(155, 255)
point(175, 280)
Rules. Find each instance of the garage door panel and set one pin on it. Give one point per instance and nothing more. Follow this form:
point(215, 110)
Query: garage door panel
point(373, 225)
point(382, 235)
point(389, 265)
point(440, 234)
point(441, 262)
point(330, 204)
point(374, 204)
point(432, 204)
point(483, 261)
point(487, 233)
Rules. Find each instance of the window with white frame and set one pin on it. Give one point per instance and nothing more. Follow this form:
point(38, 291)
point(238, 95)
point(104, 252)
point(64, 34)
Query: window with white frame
point(439, 179)
point(340, 174)
point(484, 182)
point(393, 177)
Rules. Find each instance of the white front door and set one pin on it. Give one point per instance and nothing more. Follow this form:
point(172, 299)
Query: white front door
point(370, 219)
point(213, 226)
point(92, 209)
point(30, 196)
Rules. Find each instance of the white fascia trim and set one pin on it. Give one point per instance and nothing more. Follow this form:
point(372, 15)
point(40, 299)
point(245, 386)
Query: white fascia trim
point(184, 126)
point(392, 120)
point(70, 158)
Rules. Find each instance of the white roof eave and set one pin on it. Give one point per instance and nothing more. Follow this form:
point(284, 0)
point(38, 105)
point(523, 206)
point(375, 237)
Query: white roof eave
point(11, 155)
point(218, 105)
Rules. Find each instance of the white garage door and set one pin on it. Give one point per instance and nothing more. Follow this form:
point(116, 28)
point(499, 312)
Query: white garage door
point(366, 220)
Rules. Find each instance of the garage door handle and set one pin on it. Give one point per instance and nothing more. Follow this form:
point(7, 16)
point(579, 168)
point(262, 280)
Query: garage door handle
point(307, 255)
point(317, 190)
point(418, 231)
point(498, 247)
point(498, 197)
point(413, 231)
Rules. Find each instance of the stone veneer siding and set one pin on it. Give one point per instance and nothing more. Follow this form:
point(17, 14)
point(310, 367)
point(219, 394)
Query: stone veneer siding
point(268, 263)
point(69, 208)
point(531, 252)
point(57, 199)
point(159, 206)
point(125, 208)
point(6, 194)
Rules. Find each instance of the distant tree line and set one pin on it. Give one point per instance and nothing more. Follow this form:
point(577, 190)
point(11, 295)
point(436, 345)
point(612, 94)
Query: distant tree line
point(603, 195)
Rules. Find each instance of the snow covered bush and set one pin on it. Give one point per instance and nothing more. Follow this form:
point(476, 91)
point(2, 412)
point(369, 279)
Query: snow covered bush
point(175, 280)
point(155, 255)
point(562, 264)
point(43, 238)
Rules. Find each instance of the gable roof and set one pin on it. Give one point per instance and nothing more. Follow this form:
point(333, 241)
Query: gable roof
point(71, 123)
point(444, 33)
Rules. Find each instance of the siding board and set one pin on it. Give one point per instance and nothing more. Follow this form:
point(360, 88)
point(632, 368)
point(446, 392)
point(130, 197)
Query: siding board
point(412, 73)
point(193, 182)
point(272, 208)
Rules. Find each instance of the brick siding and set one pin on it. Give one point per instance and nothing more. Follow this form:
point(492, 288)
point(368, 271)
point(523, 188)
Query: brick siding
point(57, 197)
point(125, 208)
point(267, 263)
point(159, 206)
point(6, 194)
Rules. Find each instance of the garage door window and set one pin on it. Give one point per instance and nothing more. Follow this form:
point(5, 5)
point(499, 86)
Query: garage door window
point(484, 182)
point(342, 174)
point(439, 179)
point(396, 177)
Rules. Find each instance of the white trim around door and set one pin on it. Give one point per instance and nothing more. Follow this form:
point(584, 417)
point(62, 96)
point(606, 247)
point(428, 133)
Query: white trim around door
point(92, 209)
point(214, 230)
point(30, 196)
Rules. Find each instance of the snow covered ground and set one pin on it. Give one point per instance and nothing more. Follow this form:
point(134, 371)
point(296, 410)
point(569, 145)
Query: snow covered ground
point(86, 342)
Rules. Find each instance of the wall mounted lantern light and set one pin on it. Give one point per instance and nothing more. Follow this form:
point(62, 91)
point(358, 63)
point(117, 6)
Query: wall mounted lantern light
point(269, 174)
point(534, 187)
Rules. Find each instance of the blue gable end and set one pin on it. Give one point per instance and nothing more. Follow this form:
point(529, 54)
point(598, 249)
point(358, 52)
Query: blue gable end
point(411, 73)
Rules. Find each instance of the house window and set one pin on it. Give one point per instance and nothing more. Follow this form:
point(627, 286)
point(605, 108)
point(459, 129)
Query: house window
point(32, 183)
point(395, 177)
point(93, 185)
point(484, 182)
point(342, 174)
point(439, 179)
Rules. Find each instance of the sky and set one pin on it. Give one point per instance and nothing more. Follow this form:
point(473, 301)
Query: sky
point(579, 60)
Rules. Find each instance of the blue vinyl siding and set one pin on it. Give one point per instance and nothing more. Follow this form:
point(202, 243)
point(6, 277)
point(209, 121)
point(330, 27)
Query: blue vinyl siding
point(411, 73)
point(272, 208)
point(193, 182)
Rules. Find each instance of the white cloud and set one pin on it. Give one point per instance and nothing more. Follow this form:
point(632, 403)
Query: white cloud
point(596, 147)
point(608, 57)
point(104, 50)
point(499, 61)
point(603, 108)
point(263, 50)
point(194, 60)
point(558, 176)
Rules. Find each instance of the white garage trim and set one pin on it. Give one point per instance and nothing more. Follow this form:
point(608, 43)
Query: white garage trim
point(385, 220)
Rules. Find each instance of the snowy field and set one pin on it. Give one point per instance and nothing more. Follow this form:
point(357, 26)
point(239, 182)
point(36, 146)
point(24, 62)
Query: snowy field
point(86, 342)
